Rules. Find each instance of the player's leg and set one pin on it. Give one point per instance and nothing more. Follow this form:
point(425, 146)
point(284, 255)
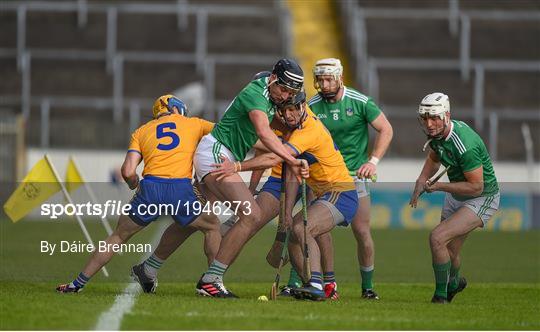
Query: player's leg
point(326, 246)
point(172, 238)
point(231, 188)
point(249, 212)
point(175, 235)
point(125, 229)
point(320, 221)
point(329, 210)
point(456, 283)
point(295, 280)
point(458, 224)
point(365, 245)
point(251, 219)
point(484, 208)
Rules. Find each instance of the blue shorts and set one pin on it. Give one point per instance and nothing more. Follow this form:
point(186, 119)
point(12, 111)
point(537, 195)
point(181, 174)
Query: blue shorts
point(273, 186)
point(346, 202)
point(154, 192)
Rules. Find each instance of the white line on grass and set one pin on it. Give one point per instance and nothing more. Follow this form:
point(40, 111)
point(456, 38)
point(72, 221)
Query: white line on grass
point(112, 318)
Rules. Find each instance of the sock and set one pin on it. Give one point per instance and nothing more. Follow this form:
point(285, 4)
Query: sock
point(152, 265)
point(215, 271)
point(329, 277)
point(80, 281)
point(441, 278)
point(294, 279)
point(367, 276)
point(454, 278)
point(316, 280)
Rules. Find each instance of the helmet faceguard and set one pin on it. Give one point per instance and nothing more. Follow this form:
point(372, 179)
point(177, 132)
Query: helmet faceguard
point(298, 102)
point(328, 67)
point(166, 104)
point(435, 105)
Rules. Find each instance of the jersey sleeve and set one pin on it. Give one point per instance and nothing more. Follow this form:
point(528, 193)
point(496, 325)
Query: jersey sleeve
point(470, 160)
point(206, 127)
point(134, 145)
point(371, 110)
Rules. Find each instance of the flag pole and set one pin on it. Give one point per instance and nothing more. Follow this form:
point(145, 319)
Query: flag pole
point(90, 192)
point(70, 201)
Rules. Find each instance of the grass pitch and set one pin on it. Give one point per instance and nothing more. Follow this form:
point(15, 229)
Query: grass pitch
point(503, 270)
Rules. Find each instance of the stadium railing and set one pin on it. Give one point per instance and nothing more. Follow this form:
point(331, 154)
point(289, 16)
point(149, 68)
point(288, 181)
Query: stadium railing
point(115, 59)
point(357, 32)
point(367, 67)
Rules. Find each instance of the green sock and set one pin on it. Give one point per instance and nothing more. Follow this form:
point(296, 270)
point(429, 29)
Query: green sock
point(454, 278)
point(367, 276)
point(441, 278)
point(294, 279)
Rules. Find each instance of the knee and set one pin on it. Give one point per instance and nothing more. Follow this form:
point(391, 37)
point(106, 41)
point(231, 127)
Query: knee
point(120, 235)
point(252, 215)
point(361, 230)
point(209, 228)
point(248, 225)
point(436, 240)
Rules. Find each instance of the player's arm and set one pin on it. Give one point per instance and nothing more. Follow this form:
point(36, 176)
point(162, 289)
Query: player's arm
point(129, 168)
point(473, 186)
point(269, 139)
point(259, 162)
point(382, 142)
point(431, 166)
point(255, 175)
point(260, 146)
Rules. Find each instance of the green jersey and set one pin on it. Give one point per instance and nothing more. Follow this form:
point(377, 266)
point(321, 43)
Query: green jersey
point(235, 129)
point(463, 151)
point(347, 120)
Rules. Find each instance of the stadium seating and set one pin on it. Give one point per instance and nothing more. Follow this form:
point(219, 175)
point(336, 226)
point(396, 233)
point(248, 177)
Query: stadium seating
point(59, 71)
point(397, 39)
point(72, 65)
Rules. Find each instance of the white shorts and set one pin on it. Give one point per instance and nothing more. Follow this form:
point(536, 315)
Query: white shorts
point(484, 206)
point(362, 187)
point(208, 152)
point(337, 216)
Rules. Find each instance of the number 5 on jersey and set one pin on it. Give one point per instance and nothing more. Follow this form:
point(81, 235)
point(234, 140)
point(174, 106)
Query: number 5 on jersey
point(161, 133)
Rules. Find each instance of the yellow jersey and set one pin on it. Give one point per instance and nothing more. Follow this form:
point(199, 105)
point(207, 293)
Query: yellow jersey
point(167, 145)
point(327, 169)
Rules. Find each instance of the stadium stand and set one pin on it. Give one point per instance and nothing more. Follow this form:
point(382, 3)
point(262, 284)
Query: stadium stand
point(484, 54)
point(107, 60)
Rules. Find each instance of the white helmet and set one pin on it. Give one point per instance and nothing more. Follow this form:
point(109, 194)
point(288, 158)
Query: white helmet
point(434, 104)
point(331, 67)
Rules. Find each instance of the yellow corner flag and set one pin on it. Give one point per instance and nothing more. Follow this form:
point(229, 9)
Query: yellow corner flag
point(37, 186)
point(73, 177)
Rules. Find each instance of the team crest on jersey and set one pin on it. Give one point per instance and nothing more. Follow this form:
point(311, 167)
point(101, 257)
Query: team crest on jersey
point(450, 154)
point(321, 116)
point(349, 111)
point(440, 150)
